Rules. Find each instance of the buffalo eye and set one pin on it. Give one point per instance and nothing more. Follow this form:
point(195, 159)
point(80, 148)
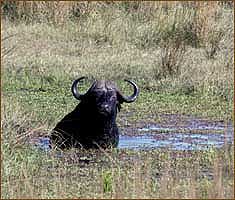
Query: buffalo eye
point(113, 98)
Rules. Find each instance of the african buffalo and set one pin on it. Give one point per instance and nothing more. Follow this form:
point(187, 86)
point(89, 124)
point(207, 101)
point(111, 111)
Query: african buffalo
point(92, 124)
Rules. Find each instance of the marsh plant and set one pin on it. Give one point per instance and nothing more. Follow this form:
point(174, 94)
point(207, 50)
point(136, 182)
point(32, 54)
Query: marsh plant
point(181, 55)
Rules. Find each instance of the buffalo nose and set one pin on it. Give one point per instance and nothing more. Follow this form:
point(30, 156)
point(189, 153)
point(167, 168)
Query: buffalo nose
point(106, 108)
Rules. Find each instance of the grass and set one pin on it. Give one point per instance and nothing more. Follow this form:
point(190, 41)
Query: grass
point(180, 54)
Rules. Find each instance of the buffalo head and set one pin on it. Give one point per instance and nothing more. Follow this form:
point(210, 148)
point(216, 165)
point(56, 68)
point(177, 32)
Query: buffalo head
point(104, 96)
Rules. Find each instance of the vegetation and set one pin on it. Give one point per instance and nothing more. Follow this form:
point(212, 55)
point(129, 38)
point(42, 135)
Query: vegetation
point(181, 54)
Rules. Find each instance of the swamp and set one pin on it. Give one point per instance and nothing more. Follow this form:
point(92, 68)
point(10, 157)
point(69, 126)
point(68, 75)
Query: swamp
point(177, 138)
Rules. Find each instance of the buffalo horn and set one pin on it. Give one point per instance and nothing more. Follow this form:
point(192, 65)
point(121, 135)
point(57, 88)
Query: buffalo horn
point(74, 89)
point(134, 95)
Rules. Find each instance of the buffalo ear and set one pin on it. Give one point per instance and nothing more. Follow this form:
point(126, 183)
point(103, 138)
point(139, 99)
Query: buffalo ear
point(119, 106)
point(119, 98)
point(119, 101)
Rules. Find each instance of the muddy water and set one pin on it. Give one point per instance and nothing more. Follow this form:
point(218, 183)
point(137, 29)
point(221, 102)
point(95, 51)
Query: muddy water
point(190, 134)
point(180, 133)
point(175, 141)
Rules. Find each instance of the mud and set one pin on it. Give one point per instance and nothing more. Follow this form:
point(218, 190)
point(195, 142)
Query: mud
point(174, 132)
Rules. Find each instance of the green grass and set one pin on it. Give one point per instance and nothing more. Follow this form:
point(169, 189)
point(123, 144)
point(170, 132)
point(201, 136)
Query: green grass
point(33, 106)
point(184, 73)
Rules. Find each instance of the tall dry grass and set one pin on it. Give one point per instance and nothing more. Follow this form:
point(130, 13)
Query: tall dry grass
point(180, 43)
